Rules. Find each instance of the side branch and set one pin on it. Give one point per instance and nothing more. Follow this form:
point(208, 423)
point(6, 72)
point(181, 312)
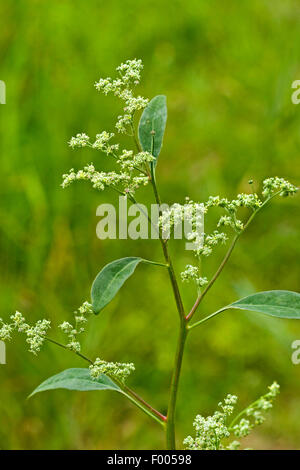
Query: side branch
point(133, 396)
point(226, 258)
point(214, 278)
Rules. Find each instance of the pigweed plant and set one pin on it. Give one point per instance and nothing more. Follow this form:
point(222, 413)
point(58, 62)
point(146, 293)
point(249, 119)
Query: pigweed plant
point(133, 169)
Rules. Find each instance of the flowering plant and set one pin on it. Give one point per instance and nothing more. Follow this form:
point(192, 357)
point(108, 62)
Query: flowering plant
point(133, 169)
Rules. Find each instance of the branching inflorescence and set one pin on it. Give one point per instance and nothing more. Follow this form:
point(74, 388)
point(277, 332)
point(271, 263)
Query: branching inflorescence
point(132, 169)
point(213, 432)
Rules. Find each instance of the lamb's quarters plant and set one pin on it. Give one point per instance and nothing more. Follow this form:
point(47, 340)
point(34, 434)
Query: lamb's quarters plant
point(134, 168)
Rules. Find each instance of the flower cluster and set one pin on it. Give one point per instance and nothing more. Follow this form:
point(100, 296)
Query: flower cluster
point(170, 218)
point(72, 331)
point(129, 76)
point(211, 431)
point(99, 180)
point(255, 412)
point(129, 161)
point(231, 207)
point(81, 140)
point(116, 370)
point(5, 331)
point(250, 201)
point(191, 273)
point(210, 241)
point(191, 214)
point(35, 334)
point(102, 142)
point(275, 184)
point(124, 181)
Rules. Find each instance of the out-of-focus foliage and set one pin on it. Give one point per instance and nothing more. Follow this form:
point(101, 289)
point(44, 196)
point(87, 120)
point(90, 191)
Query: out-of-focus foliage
point(227, 69)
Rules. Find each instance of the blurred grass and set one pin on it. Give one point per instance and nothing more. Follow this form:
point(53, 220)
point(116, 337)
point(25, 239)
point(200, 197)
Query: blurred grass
point(227, 69)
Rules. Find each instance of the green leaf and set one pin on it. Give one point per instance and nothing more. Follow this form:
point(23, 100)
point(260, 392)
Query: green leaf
point(77, 379)
point(81, 381)
point(277, 303)
point(152, 126)
point(109, 281)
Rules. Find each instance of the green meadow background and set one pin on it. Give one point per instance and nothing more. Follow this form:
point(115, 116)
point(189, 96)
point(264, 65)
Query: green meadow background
point(227, 69)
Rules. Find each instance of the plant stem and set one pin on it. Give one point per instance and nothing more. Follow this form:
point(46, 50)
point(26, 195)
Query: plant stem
point(164, 244)
point(170, 419)
point(170, 428)
point(170, 424)
point(173, 280)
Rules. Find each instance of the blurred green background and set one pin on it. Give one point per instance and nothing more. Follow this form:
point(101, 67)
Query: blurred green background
point(227, 69)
